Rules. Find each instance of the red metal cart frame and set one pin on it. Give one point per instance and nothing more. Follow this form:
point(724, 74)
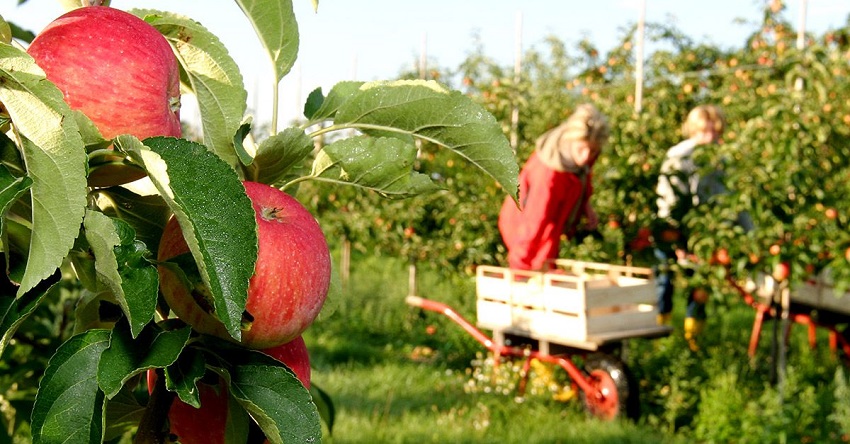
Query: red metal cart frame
point(812, 304)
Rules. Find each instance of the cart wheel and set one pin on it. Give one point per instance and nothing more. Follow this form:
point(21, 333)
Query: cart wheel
point(618, 391)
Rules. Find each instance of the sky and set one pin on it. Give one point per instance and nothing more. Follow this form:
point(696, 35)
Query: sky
point(377, 39)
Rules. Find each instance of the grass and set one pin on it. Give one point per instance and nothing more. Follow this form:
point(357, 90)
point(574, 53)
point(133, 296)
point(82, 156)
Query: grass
point(407, 402)
point(400, 375)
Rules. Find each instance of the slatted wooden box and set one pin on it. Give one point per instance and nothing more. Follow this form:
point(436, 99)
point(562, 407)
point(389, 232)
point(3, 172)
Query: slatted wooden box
point(574, 303)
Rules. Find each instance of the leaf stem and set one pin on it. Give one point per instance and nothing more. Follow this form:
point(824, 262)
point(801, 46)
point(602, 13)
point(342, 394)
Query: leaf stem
point(275, 100)
point(328, 129)
point(296, 181)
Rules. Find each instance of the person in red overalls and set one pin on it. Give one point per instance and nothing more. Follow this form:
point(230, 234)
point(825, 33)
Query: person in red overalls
point(554, 190)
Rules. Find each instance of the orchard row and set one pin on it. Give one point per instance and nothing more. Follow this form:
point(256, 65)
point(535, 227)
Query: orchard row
point(784, 153)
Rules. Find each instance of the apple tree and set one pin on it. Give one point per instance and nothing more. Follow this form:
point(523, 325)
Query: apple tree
point(91, 351)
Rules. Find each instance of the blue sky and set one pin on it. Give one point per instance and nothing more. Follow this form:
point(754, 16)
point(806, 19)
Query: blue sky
point(376, 39)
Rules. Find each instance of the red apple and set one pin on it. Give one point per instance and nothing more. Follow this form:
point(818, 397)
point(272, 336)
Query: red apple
point(721, 256)
point(781, 271)
point(831, 213)
point(670, 235)
point(294, 354)
point(115, 68)
point(204, 425)
point(775, 249)
point(291, 277)
point(700, 295)
point(207, 423)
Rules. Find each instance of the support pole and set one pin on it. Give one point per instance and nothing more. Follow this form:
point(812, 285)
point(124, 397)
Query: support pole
point(345, 262)
point(411, 279)
point(639, 48)
point(801, 38)
point(517, 72)
point(423, 55)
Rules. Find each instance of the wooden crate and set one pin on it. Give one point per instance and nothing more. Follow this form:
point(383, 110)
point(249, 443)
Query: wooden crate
point(574, 303)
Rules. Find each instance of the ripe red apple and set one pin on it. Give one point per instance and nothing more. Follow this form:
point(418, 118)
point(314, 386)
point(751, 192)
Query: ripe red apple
point(700, 295)
point(294, 354)
point(204, 425)
point(291, 277)
point(775, 249)
point(781, 271)
point(831, 213)
point(670, 235)
point(115, 68)
point(198, 425)
point(207, 423)
point(721, 256)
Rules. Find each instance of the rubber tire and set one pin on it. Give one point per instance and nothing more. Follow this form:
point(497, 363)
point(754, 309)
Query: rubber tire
point(613, 375)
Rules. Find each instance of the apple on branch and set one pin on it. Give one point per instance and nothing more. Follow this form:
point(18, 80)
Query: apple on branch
point(291, 277)
point(295, 355)
point(116, 69)
point(207, 424)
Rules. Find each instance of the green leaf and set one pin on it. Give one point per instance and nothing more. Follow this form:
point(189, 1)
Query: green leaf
point(89, 132)
point(320, 108)
point(245, 157)
point(278, 154)
point(273, 395)
point(325, 406)
point(216, 216)
point(313, 103)
point(210, 73)
point(95, 310)
point(123, 413)
point(275, 25)
point(21, 33)
point(11, 189)
point(383, 164)
point(426, 110)
point(14, 311)
point(146, 214)
point(121, 267)
point(127, 357)
point(10, 157)
point(55, 157)
point(182, 376)
point(69, 407)
point(5, 31)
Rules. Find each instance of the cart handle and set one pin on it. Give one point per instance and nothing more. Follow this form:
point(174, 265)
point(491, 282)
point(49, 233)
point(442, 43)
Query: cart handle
point(439, 307)
point(415, 301)
point(428, 304)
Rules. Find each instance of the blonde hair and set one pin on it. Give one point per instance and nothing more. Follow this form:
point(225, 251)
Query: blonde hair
point(702, 118)
point(587, 123)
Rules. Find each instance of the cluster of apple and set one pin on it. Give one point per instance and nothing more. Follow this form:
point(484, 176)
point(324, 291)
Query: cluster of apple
point(122, 74)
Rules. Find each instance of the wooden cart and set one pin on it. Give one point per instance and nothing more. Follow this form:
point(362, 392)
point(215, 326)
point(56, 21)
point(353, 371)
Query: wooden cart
point(574, 309)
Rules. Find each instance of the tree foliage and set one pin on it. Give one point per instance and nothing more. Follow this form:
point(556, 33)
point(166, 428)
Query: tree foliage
point(83, 318)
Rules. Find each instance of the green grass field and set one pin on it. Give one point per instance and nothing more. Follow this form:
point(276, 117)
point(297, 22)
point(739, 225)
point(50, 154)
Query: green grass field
point(397, 374)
